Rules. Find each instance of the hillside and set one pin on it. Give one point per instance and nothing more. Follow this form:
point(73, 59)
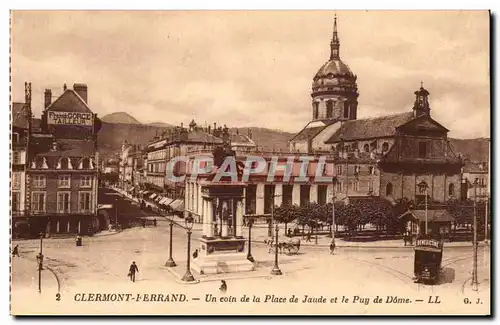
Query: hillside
point(161, 124)
point(474, 149)
point(113, 134)
point(120, 117)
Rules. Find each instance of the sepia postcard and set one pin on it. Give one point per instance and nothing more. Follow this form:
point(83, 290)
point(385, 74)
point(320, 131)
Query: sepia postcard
point(250, 163)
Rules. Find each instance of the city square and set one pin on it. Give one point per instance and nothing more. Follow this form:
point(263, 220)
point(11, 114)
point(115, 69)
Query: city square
point(345, 207)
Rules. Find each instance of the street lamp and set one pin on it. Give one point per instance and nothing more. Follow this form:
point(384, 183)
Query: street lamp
point(423, 187)
point(188, 277)
point(474, 244)
point(276, 269)
point(39, 259)
point(249, 255)
point(170, 262)
point(116, 212)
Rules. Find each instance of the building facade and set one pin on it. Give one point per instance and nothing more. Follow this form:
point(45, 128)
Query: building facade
point(62, 171)
point(475, 174)
point(19, 144)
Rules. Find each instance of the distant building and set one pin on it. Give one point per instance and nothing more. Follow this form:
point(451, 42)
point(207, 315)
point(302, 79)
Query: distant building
point(62, 170)
point(19, 146)
point(475, 173)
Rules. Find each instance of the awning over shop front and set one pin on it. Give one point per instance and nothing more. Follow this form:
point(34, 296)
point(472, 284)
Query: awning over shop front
point(152, 196)
point(432, 215)
point(166, 201)
point(177, 205)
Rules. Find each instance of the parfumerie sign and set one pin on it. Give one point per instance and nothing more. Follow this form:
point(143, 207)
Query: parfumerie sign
point(70, 118)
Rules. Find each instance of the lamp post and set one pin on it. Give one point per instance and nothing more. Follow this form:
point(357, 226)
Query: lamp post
point(39, 258)
point(249, 255)
point(170, 262)
point(333, 217)
point(116, 212)
point(422, 186)
point(276, 269)
point(474, 244)
point(188, 277)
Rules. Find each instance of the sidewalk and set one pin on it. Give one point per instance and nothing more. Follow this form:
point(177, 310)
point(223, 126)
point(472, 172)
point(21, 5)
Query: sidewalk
point(260, 234)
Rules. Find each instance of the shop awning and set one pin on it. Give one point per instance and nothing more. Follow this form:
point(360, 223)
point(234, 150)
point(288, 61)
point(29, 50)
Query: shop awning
point(177, 205)
point(159, 198)
point(152, 196)
point(166, 201)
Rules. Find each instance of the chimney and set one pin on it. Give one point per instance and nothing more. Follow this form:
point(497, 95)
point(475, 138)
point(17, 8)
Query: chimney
point(215, 126)
point(48, 97)
point(81, 90)
point(209, 130)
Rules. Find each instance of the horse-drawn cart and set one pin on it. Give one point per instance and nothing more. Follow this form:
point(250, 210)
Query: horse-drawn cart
point(289, 247)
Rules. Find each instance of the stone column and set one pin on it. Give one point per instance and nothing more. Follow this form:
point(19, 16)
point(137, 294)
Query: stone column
point(278, 194)
point(259, 199)
point(296, 194)
point(210, 218)
point(79, 226)
point(224, 225)
point(203, 216)
point(313, 193)
point(239, 219)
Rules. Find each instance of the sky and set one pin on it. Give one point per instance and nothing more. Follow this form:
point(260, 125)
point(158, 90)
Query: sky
point(244, 68)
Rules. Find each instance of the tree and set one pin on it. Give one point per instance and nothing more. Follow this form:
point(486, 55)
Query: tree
point(285, 214)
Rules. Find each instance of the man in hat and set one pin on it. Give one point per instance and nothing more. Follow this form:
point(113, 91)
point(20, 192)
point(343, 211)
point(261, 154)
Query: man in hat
point(132, 270)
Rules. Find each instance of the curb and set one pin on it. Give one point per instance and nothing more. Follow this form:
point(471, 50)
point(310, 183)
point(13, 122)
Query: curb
point(178, 278)
point(369, 246)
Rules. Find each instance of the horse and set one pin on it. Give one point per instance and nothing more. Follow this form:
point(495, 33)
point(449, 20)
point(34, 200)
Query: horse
point(271, 244)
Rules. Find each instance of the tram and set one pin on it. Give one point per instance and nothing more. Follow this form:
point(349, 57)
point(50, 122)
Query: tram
point(428, 257)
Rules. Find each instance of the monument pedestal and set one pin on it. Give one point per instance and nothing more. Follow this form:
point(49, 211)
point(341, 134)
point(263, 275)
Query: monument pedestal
point(222, 255)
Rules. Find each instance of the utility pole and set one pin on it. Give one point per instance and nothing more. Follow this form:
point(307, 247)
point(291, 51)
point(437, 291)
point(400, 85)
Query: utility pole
point(426, 213)
point(474, 244)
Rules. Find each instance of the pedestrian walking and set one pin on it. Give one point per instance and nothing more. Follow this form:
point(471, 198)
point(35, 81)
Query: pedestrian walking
point(308, 238)
point(154, 222)
point(405, 237)
point(143, 223)
point(132, 270)
point(195, 254)
point(223, 286)
point(15, 251)
point(332, 247)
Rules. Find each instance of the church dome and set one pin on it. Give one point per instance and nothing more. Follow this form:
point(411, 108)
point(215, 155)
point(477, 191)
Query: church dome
point(334, 76)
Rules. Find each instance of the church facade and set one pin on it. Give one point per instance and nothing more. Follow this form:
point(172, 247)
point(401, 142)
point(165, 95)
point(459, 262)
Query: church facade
point(406, 149)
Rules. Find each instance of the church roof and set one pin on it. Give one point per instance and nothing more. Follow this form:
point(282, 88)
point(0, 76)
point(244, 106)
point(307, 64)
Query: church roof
point(19, 116)
point(312, 129)
point(240, 138)
point(203, 137)
point(370, 128)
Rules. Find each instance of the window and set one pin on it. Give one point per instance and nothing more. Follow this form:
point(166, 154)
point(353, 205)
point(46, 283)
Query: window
point(371, 170)
point(85, 164)
point(15, 138)
point(64, 181)
point(366, 148)
point(63, 202)
point(40, 162)
point(451, 189)
point(39, 181)
point(16, 180)
point(357, 169)
point(388, 189)
point(86, 181)
point(85, 201)
point(38, 202)
point(64, 163)
point(329, 109)
point(268, 198)
point(339, 186)
point(305, 192)
point(16, 157)
point(16, 201)
point(385, 147)
point(339, 170)
point(422, 149)
point(322, 191)
point(346, 111)
point(316, 110)
point(370, 186)
point(356, 186)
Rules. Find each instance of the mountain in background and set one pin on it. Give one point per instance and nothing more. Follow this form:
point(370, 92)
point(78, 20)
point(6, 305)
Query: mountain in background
point(161, 124)
point(120, 117)
point(115, 131)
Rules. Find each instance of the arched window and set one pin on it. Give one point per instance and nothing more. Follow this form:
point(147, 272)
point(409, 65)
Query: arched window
point(366, 148)
point(388, 189)
point(385, 147)
point(346, 110)
point(85, 163)
point(316, 110)
point(451, 189)
point(329, 109)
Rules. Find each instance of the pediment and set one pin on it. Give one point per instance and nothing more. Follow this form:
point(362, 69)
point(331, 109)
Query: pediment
point(423, 123)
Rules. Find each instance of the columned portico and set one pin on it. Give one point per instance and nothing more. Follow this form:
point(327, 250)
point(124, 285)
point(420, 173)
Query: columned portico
point(222, 246)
